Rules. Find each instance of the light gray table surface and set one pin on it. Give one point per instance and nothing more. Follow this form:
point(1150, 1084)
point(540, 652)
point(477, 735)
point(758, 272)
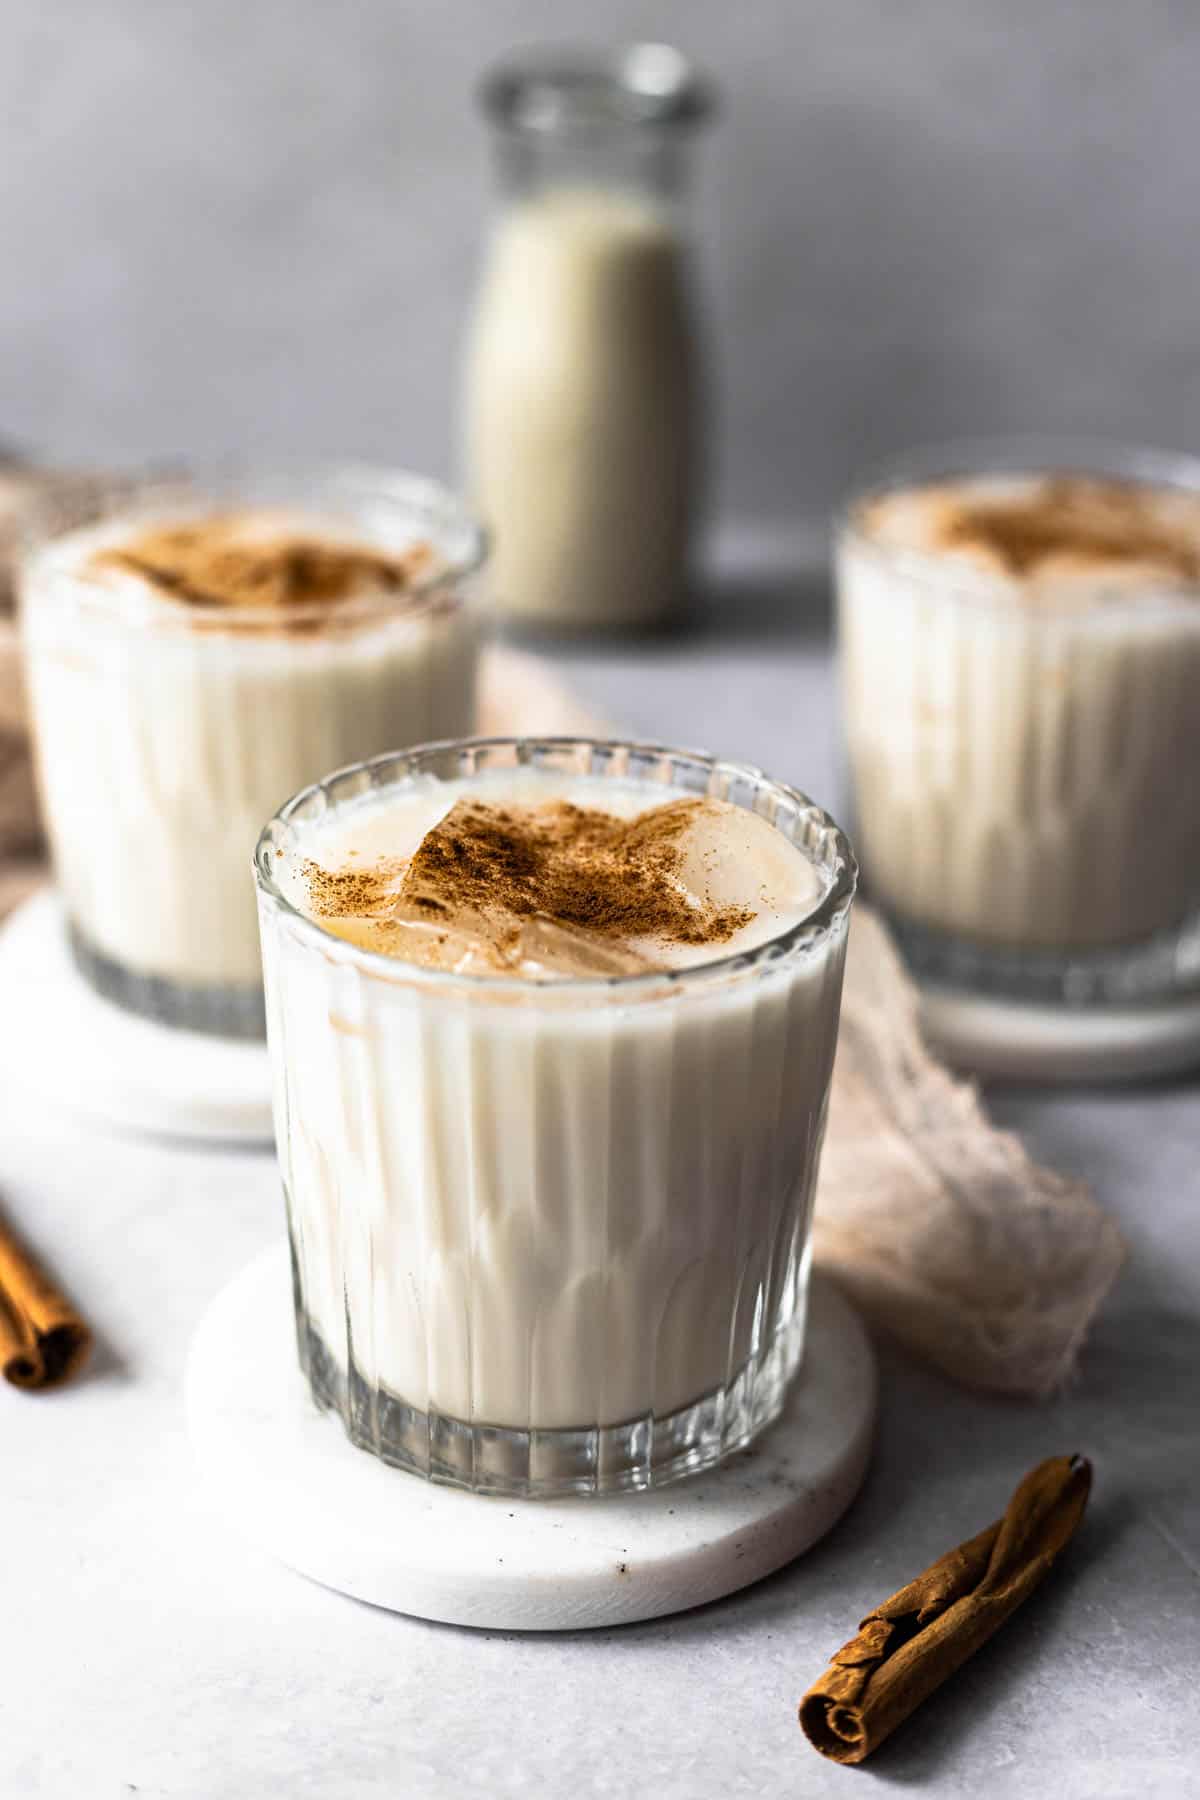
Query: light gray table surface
point(144, 1650)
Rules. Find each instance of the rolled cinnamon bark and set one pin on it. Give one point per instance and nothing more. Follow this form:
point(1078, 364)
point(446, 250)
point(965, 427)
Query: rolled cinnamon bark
point(908, 1646)
point(43, 1340)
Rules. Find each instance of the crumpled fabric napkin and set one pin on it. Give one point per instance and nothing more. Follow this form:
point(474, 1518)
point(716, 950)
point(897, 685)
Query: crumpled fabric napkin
point(20, 831)
point(939, 1226)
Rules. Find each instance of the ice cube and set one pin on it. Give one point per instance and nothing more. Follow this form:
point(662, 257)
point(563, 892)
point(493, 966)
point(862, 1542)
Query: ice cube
point(729, 859)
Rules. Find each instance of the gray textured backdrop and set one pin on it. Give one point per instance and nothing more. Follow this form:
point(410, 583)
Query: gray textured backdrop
point(255, 223)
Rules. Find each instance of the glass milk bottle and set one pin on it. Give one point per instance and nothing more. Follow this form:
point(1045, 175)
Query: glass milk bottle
point(582, 432)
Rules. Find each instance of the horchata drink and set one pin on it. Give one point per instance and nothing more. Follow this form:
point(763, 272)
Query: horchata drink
point(1020, 645)
point(552, 1026)
point(195, 651)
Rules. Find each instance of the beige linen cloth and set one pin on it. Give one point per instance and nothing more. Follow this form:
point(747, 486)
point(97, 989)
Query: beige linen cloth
point(940, 1227)
point(20, 869)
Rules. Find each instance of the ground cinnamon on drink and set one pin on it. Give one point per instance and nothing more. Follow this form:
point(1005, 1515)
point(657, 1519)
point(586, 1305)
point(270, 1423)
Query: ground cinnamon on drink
point(1080, 517)
point(229, 560)
point(580, 867)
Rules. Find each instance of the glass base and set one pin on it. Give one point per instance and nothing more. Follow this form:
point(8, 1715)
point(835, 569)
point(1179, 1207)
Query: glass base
point(1160, 969)
point(541, 1465)
point(232, 1012)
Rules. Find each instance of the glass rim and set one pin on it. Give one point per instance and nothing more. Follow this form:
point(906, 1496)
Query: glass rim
point(547, 92)
point(815, 928)
point(82, 501)
point(1034, 454)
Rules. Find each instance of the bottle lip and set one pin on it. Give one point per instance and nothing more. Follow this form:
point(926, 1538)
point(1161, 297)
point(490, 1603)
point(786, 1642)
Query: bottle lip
point(581, 92)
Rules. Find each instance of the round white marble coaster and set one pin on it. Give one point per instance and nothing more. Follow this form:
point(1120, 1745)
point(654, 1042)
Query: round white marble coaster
point(66, 1043)
point(286, 1477)
point(1015, 1041)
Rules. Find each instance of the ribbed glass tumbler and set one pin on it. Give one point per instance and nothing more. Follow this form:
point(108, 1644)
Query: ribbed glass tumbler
point(1021, 740)
point(552, 1237)
point(168, 721)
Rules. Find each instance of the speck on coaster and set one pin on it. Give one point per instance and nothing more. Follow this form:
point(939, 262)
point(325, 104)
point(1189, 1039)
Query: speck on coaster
point(284, 1476)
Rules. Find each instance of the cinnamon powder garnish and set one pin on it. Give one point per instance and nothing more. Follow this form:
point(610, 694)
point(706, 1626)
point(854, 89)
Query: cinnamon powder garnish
point(577, 867)
point(1076, 516)
point(359, 893)
point(229, 560)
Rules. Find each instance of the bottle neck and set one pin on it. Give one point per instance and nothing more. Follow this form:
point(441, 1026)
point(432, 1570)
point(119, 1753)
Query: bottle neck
point(653, 167)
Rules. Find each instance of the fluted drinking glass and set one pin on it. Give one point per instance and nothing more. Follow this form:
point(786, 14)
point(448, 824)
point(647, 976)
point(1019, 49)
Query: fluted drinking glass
point(1019, 764)
point(552, 1237)
point(166, 729)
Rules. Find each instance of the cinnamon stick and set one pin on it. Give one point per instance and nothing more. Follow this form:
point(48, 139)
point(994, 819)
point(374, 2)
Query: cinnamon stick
point(43, 1340)
point(908, 1646)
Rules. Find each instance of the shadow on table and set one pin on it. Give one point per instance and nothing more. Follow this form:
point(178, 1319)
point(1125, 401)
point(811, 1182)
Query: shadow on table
point(785, 606)
point(766, 605)
point(105, 1362)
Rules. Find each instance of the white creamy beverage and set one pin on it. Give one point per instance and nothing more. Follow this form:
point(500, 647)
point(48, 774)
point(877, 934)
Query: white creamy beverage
point(549, 1146)
point(580, 407)
point(1020, 665)
point(186, 670)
